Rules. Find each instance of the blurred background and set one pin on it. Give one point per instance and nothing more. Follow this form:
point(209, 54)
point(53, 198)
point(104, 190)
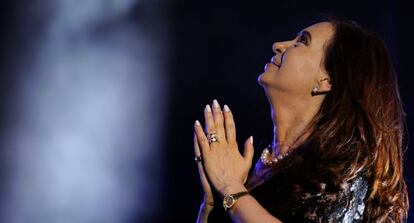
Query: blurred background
point(99, 97)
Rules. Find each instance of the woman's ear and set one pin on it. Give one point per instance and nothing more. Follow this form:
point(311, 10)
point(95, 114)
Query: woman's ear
point(324, 84)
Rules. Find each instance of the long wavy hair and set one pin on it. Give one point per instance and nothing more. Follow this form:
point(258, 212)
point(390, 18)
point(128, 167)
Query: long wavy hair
point(361, 122)
point(359, 127)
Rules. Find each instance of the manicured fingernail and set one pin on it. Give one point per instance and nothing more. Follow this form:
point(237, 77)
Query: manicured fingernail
point(208, 108)
point(251, 139)
point(216, 104)
point(197, 123)
point(226, 108)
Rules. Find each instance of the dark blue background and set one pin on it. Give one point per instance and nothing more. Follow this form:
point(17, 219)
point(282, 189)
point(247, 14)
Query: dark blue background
point(218, 49)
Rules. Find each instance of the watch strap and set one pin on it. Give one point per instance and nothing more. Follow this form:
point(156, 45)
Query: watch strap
point(240, 194)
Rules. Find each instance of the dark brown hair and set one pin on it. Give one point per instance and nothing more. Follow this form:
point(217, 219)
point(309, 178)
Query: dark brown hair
point(361, 122)
point(358, 129)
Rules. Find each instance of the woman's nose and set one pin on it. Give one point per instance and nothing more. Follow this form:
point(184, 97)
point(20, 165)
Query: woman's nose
point(280, 47)
point(277, 48)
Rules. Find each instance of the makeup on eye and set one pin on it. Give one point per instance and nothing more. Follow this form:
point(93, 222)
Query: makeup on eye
point(304, 37)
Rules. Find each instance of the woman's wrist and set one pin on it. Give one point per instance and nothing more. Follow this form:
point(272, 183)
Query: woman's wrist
point(206, 206)
point(205, 209)
point(232, 189)
point(208, 200)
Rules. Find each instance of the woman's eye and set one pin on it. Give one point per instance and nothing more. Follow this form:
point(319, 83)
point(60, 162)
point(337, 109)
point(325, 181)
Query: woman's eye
point(303, 40)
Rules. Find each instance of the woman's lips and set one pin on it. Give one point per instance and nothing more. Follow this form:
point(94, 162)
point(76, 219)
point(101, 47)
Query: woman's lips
point(273, 60)
point(271, 64)
point(276, 64)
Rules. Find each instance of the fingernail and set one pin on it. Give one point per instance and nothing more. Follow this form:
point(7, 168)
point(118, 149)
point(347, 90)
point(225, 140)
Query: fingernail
point(197, 123)
point(208, 108)
point(251, 139)
point(226, 108)
point(215, 104)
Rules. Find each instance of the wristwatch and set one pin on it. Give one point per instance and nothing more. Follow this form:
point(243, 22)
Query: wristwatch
point(230, 200)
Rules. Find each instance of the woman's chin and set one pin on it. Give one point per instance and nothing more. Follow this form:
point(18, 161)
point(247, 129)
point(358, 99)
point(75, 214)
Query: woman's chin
point(266, 76)
point(260, 79)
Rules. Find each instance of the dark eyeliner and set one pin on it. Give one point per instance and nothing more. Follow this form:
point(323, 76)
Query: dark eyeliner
point(303, 37)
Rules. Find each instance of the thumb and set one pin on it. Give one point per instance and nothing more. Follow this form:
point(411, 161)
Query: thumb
point(248, 150)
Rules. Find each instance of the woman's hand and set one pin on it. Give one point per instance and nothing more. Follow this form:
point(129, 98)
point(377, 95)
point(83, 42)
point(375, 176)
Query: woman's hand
point(208, 194)
point(225, 167)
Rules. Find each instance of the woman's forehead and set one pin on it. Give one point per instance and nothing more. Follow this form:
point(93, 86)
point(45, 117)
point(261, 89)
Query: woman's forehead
point(320, 32)
point(320, 27)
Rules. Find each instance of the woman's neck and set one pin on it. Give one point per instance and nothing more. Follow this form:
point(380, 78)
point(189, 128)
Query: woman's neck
point(291, 127)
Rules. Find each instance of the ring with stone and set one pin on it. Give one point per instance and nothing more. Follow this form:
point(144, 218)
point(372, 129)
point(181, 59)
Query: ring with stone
point(198, 158)
point(212, 137)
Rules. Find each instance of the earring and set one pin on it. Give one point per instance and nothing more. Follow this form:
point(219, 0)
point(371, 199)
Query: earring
point(315, 90)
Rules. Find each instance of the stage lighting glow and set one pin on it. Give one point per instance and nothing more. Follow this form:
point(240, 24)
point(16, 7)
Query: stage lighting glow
point(90, 111)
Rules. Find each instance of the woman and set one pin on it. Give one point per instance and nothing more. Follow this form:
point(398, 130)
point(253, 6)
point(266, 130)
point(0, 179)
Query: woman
point(337, 149)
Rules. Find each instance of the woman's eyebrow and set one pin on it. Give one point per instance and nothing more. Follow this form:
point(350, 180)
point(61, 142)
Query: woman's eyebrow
point(306, 34)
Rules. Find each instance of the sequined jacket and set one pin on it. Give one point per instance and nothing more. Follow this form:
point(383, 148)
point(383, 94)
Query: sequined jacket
point(345, 205)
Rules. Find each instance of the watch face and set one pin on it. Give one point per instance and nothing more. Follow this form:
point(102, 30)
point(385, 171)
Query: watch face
point(228, 201)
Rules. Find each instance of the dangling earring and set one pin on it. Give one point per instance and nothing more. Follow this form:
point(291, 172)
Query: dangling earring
point(315, 90)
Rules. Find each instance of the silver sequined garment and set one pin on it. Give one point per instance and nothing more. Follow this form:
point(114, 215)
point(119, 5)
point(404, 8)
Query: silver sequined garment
point(345, 206)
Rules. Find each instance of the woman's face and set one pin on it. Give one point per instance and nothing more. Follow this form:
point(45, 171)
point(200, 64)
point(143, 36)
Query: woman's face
point(297, 66)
